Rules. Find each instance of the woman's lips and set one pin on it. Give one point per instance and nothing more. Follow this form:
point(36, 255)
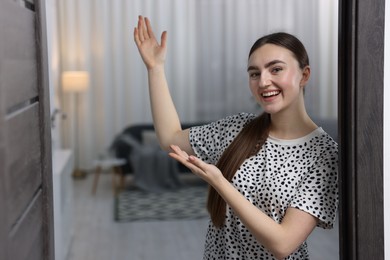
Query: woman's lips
point(269, 95)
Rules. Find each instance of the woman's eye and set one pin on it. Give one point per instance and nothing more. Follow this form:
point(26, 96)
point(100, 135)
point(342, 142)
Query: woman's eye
point(254, 75)
point(276, 69)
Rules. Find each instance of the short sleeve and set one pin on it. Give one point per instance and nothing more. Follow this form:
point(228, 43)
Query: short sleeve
point(210, 141)
point(318, 192)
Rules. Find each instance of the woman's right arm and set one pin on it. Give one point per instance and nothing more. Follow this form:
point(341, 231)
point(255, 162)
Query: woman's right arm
point(165, 117)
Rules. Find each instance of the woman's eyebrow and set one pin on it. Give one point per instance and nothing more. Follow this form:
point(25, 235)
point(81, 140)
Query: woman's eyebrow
point(252, 68)
point(267, 65)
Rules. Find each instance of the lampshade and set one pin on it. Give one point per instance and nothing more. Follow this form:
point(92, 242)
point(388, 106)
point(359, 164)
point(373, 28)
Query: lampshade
point(75, 81)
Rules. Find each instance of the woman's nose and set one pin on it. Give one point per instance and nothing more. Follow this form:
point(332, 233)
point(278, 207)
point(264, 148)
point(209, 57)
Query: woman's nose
point(264, 81)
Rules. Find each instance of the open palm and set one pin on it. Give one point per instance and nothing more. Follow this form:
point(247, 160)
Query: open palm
point(208, 172)
point(152, 53)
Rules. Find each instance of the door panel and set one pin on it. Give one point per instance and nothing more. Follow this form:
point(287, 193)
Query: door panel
point(26, 234)
point(26, 200)
point(361, 46)
point(18, 62)
point(23, 173)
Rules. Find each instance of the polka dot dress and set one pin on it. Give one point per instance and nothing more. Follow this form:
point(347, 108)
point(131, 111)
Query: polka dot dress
point(299, 173)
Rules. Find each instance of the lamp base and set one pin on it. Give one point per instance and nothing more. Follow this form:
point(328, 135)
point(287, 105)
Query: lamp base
point(79, 174)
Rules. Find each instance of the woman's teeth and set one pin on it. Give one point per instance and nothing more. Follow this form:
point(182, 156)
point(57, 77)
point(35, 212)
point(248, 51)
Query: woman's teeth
point(271, 93)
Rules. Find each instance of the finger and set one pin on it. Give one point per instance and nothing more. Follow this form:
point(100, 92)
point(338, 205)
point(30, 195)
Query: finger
point(136, 37)
point(180, 152)
point(149, 29)
point(179, 158)
point(140, 29)
point(164, 39)
point(186, 163)
point(182, 157)
point(197, 162)
point(145, 33)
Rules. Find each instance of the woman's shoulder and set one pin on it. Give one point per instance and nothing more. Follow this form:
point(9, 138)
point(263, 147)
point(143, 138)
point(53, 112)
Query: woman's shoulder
point(325, 143)
point(232, 121)
point(211, 139)
point(229, 126)
point(327, 139)
point(237, 119)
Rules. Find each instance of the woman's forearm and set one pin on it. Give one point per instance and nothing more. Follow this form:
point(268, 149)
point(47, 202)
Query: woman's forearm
point(280, 239)
point(165, 117)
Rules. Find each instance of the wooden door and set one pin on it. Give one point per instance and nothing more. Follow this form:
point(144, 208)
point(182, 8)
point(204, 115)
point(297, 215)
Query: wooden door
point(361, 58)
point(26, 218)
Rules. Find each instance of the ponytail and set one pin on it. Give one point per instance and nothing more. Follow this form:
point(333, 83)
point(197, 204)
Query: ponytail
point(246, 144)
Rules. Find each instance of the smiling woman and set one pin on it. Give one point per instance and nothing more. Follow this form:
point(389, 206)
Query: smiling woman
point(272, 178)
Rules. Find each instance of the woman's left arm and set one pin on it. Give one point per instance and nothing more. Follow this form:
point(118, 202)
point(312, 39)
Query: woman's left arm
point(280, 239)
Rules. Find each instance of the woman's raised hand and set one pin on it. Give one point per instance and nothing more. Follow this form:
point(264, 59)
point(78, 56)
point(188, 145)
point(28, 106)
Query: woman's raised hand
point(152, 53)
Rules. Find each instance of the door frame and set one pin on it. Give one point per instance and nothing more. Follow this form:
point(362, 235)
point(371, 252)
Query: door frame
point(360, 126)
point(45, 131)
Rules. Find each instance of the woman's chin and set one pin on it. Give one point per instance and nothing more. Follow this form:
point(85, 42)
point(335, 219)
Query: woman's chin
point(271, 109)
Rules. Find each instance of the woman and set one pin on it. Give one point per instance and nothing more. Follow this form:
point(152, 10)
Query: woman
point(273, 178)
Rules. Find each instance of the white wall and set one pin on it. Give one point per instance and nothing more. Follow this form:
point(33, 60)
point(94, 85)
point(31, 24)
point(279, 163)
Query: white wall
point(386, 131)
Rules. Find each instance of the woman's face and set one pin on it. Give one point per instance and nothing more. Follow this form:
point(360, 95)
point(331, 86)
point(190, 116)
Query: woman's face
point(275, 78)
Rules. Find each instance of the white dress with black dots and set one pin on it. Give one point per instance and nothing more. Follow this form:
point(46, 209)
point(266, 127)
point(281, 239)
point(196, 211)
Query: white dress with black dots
point(299, 173)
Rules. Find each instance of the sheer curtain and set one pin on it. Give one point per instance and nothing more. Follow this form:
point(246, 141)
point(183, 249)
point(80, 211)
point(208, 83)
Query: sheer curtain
point(208, 44)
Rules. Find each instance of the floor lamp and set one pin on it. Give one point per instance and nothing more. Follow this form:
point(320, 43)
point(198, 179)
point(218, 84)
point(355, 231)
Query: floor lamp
point(76, 82)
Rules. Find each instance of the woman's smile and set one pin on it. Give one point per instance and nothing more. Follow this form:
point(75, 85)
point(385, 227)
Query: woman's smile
point(270, 95)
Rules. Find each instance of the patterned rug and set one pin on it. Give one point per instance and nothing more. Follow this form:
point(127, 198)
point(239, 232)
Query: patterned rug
point(185, 203)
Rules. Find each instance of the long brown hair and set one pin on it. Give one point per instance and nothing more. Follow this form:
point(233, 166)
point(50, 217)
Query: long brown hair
point(254, 134)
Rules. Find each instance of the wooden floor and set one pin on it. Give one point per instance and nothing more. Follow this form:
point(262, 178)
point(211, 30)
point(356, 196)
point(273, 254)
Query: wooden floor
point(96, 236)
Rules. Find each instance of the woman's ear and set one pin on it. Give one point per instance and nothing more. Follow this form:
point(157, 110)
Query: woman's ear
point(305, 76)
